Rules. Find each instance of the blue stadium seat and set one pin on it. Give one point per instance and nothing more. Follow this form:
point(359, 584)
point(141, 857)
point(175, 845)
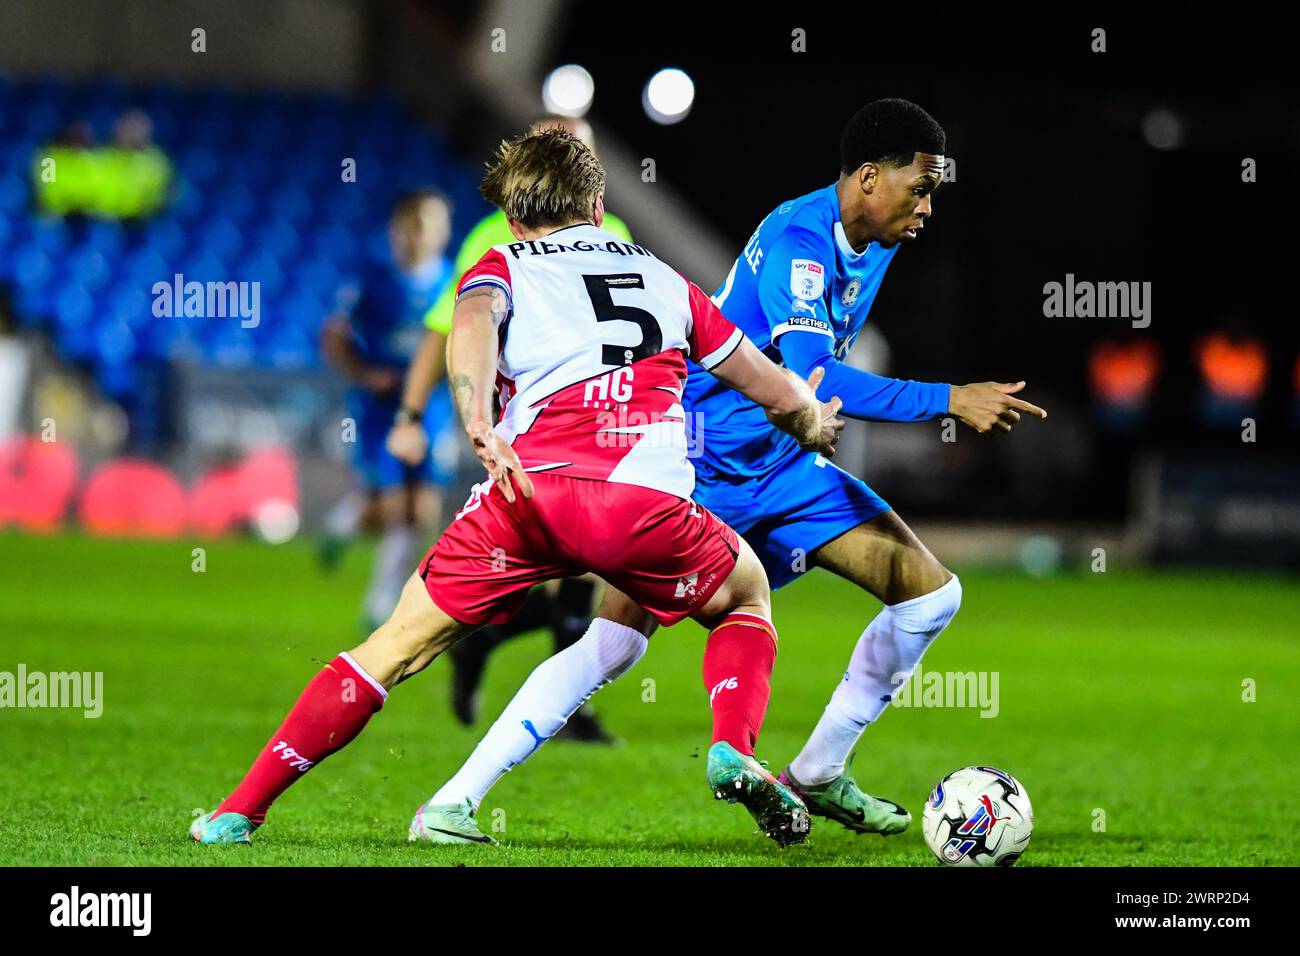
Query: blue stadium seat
point(117, 379)
point(221, 238)
point(33, 267)
point(198, 164)
point(237, 202)
point(291, 347)
point(262, 268)
point(42, 120)
point(143, 267)
point(131, 305)
point(107, 238)
point(188, 202)
point(75, 322)
point(165, 237)
point(279, 240)
point(291, 204)
point(88, 269)
point(13, 192)
point(231, 346)
point(115, 342)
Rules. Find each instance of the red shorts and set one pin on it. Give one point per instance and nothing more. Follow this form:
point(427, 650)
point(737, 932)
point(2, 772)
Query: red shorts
point(666, 553)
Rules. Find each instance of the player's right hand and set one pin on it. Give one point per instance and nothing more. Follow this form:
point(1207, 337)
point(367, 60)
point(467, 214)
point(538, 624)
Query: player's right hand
point(499, 459)
point(408, 442)
point(988, 405)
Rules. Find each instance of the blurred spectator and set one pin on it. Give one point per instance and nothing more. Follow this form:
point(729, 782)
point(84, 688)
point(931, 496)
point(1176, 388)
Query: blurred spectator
point(129, 179)
point(1233, 366)
point(1123, 377)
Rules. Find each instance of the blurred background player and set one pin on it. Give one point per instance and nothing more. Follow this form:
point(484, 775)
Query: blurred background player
point(563, 606)
point(370, 340)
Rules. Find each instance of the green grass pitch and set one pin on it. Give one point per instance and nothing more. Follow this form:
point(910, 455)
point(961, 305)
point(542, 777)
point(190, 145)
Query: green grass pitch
point(1119, 692)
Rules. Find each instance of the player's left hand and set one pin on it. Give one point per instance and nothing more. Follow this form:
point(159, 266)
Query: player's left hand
point(988, 405)
point(408, 442)
point(499, 459)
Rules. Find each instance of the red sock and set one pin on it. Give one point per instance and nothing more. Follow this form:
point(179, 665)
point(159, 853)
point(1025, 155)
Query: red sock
point(738, 661)
point(329, 713)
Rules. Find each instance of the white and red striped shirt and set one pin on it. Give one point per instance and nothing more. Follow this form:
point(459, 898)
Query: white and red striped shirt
point(593, 356)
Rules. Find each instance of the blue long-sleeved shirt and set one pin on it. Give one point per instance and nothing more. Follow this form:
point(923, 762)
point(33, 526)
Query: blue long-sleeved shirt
point(801, 293)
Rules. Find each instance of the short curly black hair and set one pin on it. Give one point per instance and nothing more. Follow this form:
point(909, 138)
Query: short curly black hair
point(889, 131)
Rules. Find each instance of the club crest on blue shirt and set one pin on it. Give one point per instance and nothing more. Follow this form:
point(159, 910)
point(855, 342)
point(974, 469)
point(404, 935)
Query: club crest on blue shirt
point(850, 294)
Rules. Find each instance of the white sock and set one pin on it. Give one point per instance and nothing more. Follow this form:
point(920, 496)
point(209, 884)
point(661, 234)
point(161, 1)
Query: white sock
point(556, 688)
point(345, 517)
point(394, 562)
point(882, 662)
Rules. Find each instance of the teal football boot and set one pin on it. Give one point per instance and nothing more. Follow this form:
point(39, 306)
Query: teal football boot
point(777, 810)
point(227, 828)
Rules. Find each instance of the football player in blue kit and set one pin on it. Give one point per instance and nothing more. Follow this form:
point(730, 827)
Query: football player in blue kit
point(370, 339)
point(800, 290)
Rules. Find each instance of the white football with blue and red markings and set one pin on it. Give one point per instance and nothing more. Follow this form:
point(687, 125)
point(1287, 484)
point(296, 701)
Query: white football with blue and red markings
point(978, 816)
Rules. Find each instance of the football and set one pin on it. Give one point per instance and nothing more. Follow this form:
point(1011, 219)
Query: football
point(978, 816)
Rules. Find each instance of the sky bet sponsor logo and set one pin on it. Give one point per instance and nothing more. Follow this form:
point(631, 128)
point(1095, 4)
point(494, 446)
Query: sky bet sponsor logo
point(807, 279)
point(72, 909)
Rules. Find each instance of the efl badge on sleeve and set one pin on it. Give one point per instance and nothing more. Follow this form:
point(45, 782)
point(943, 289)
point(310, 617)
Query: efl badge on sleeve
point(807, 279)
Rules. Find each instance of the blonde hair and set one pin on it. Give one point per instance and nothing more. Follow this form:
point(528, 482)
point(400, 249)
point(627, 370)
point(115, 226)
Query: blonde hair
point(544, 178)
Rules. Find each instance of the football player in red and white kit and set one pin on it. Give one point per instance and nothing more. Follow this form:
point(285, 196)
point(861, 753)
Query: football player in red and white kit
point(582, 339)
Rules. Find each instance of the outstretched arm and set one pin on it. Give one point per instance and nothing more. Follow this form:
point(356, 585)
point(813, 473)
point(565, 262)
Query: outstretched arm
point(792, 286)
point(982, 405)
point(792, 293)
point(866, 396)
